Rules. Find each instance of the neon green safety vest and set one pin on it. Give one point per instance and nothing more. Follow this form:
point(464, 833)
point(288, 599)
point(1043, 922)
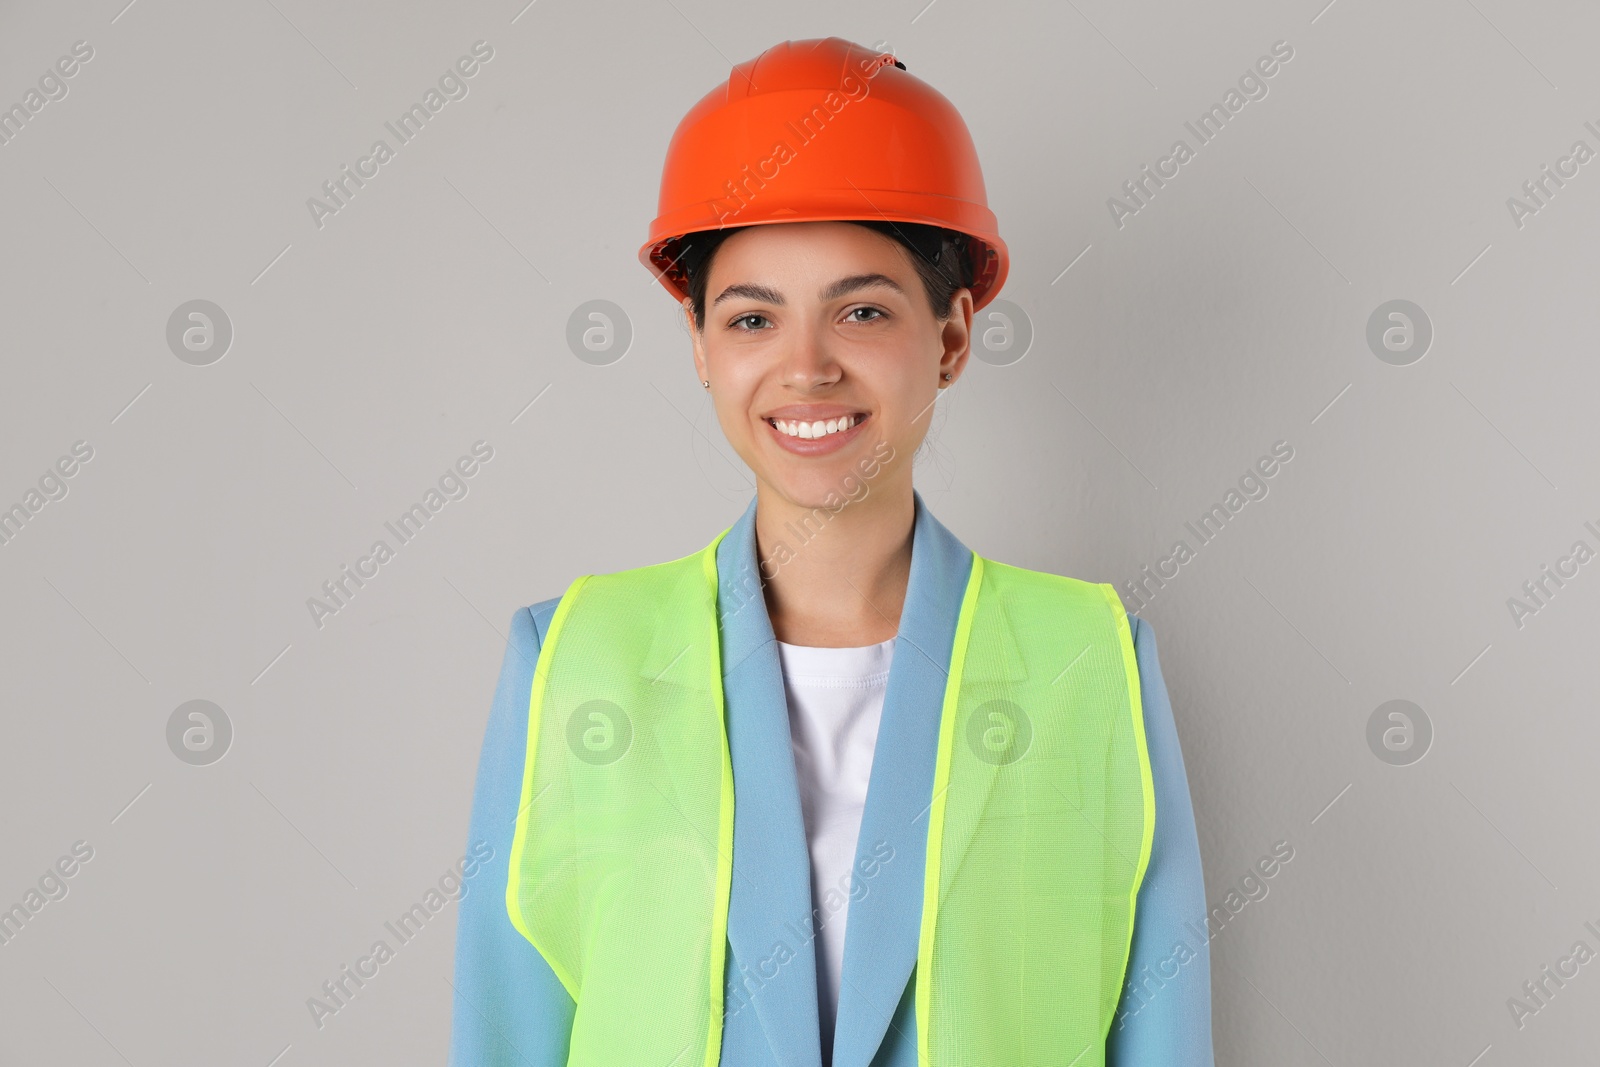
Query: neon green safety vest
point(1038, 835)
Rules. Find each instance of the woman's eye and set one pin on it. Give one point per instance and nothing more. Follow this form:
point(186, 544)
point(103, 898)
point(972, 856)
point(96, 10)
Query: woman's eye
point(744, 319)
point(877, 314)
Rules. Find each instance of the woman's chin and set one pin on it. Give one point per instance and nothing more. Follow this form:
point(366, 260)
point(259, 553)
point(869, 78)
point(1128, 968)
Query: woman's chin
point(826, 486)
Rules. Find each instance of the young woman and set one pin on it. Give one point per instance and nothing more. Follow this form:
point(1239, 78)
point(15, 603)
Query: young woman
point(699, 775)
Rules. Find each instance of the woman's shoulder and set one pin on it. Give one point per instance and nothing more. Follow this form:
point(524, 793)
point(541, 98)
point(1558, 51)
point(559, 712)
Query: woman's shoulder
point(1142, 630)
point(542, 613)
point(1082, 589)
point(531, 622)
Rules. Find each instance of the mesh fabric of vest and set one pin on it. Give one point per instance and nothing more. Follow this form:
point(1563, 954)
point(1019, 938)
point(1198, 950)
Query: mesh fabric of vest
point(619, 871)
point(1039, 828)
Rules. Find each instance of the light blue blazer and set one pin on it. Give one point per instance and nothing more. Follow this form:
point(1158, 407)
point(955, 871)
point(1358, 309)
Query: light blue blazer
point(510, 1009)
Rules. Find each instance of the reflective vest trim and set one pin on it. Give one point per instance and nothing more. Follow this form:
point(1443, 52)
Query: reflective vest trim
point(719, 919)
point(941, 783)
point(1095, 747)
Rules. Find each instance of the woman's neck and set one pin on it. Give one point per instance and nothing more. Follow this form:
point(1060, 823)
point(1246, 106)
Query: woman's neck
point(836, 579)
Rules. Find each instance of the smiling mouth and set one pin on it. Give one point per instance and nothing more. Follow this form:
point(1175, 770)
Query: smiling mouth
point(810, 431)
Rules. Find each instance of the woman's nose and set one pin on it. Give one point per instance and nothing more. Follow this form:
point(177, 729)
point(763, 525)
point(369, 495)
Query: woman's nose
point(808, 360)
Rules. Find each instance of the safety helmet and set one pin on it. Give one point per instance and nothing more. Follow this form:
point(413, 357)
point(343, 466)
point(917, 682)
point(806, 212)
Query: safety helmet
point(823, 130)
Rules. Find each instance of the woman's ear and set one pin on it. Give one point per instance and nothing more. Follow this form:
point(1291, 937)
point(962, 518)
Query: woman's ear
point(695, 338)
point(956, 336)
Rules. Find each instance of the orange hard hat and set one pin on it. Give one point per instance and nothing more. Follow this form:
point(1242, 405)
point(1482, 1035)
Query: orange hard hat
point(822, 130)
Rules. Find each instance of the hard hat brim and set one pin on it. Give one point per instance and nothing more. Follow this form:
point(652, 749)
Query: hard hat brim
point(989, 256)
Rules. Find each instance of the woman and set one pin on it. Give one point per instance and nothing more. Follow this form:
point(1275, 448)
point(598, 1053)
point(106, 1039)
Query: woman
point(700, 775)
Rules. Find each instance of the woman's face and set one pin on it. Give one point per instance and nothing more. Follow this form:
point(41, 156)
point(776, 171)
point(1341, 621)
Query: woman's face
point(811, 322)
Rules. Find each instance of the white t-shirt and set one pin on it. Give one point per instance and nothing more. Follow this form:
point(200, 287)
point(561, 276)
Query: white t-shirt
point(835, 698)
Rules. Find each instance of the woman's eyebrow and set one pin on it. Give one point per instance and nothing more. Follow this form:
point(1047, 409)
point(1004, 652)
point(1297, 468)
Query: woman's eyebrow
point(751, 290)
point(842, 287)
point(845, 286)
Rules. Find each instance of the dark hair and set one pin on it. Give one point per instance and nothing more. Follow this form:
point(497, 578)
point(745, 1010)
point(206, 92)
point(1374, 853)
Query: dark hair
point(940, 256)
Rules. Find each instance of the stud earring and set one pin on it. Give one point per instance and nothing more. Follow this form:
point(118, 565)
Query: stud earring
point(948, 377)
point(705, 383)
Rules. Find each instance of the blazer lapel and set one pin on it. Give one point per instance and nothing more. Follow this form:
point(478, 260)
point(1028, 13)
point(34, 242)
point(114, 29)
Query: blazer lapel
point(772, 970)
point(883, 925)
point(770, 920)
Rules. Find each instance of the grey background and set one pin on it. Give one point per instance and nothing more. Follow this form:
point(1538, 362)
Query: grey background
point(1228, 314)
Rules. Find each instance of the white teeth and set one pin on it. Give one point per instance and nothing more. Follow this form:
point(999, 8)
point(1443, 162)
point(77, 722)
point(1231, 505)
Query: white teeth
point(811, 430)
